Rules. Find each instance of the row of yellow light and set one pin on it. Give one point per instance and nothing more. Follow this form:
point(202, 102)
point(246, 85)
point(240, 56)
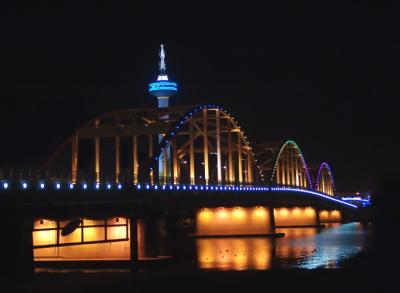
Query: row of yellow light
point(296, 211)
point(238, 213)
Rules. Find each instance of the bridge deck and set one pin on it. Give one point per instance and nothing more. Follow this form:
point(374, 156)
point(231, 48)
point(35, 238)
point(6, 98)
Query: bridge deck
point(147, 198)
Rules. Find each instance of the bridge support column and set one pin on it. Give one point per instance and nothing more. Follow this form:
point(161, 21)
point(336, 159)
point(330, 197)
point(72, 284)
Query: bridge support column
point(218, 134)
point(97, 154)
point(296, 166)
point(117, 159)
point(281, 161)
point(191, 151)
point(291, 169)
point(272, 219)
point(205, 145)
point(135, 160)
point(249, 167)
point(174, 161)
point(239, 150)
point(165, 165)
point(151, 155)
point(74, 158)
point(287, 164)
point(150, 228)
point(134, 244)
point(302, 175)
point(317, 218)
point(278, 174)
point(231, 172)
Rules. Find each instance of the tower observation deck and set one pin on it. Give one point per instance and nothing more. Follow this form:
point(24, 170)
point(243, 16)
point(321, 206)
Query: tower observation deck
point(163, 88)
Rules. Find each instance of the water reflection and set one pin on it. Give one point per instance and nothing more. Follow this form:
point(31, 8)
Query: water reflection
point(234, 253)
point(297, 244)
point(300, 248)
point(336, 244)
point(308, 248)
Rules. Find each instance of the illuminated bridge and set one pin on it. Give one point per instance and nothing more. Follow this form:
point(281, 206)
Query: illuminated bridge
point(121, 172)
point(208, 152)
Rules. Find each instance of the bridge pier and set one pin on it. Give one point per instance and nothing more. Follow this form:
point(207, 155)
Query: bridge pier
point(149, 237)
point(317, 217)
point(272, 220)
point(16, 243)
point(134, 243)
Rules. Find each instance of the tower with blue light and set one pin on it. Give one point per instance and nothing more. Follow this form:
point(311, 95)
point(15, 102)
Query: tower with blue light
point(163, 89)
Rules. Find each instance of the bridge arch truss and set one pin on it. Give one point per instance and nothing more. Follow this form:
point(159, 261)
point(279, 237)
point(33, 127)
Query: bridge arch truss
point(207, 146)
point(325, 182)
point(201, 144)
point(290, 168)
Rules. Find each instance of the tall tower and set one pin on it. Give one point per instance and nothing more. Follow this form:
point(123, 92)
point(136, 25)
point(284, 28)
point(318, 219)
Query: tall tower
point(163, 89)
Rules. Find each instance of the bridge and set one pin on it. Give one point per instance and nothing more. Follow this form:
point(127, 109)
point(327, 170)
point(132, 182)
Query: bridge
point(202, 147)
point(190, 165)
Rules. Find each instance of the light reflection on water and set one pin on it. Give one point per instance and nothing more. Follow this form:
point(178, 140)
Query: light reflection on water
point(300, 248)
point(234, 253)
point(329, 247)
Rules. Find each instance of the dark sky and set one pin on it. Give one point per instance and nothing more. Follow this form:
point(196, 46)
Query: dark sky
point(325, 76)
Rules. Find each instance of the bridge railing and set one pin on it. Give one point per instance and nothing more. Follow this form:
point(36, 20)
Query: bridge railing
point(26, 178)
point(124, 177)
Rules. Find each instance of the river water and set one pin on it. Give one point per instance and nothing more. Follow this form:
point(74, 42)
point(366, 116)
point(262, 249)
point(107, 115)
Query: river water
point(306, 248)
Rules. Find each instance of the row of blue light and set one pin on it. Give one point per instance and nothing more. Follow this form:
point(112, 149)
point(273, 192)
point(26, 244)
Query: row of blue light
point(313, 193)
point(58, 186)
point(171, 187)
point(84, 186)
point(201, 187)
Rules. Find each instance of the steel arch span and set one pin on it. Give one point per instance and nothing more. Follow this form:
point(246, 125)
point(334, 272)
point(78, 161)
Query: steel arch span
point(205, 146)
point(325, 182)
point(290, 168)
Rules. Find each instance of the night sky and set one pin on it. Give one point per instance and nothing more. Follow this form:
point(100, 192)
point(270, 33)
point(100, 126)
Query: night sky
point(325, 76)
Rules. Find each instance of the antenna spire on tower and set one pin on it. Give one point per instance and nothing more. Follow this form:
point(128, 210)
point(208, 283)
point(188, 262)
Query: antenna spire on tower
point(163, 67)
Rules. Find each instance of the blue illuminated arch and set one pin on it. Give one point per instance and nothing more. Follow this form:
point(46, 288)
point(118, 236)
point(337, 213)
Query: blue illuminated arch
point(176, 127)
point(321, 167)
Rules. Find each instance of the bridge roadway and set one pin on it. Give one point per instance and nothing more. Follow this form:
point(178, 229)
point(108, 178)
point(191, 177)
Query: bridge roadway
point(144, 198)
